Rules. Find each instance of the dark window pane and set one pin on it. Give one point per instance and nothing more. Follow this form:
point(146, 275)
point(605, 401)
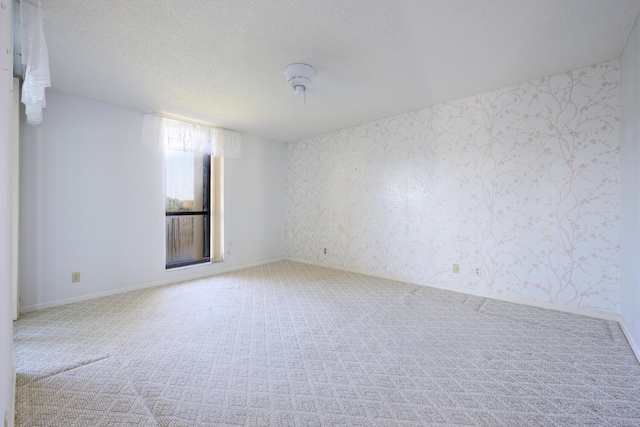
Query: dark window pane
point(185, 238)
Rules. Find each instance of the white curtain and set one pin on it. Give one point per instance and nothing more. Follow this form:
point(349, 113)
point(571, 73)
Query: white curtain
point(184, 136)
point(36, 57)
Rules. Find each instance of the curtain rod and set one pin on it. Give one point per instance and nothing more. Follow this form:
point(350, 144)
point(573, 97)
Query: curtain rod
point(188, 120)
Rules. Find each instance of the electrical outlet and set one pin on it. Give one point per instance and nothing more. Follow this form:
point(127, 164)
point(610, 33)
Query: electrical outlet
point(325, 251)
point(477, 270)
point(75, 277)
point(456, 268)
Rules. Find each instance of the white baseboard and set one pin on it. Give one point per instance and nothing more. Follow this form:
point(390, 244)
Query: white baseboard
point(169, 281)
point(630, 340)
point(507, 298)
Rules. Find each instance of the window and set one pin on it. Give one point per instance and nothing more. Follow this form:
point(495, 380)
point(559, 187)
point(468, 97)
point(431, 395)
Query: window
point(192, 195)
point(193, 185)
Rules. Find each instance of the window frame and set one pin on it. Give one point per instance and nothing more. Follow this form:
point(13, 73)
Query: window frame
point(205, 212)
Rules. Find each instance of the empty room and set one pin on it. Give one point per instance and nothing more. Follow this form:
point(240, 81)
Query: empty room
point(305, 213)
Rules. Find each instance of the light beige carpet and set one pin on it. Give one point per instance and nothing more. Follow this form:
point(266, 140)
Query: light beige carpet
point(289, 344)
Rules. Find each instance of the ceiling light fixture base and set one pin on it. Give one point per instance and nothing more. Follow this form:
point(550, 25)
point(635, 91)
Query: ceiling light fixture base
point(299, 77)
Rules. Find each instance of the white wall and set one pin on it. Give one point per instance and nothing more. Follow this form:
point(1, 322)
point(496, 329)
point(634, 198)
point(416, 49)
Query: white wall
point(521, 183)
point(93, 202)
point(630, 188)
point(6, 138)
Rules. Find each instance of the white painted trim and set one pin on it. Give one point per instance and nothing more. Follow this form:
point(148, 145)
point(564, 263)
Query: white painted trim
point(200, 275)
point(500, 297)
point(15, 217)
point(630, 340)
point(12, 414)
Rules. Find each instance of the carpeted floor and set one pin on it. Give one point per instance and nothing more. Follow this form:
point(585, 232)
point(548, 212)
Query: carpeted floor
point(289, 344)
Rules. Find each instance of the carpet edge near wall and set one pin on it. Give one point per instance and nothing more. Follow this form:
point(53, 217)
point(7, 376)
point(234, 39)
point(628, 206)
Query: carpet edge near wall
point(597, 314)
point(500, 297)
point(122, 290)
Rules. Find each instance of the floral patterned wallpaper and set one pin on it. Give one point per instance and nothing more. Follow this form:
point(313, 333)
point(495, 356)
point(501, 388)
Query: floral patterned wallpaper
point(519, 186)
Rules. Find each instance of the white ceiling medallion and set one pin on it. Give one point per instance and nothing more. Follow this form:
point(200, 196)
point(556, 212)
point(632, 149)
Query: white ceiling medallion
point(299, 78)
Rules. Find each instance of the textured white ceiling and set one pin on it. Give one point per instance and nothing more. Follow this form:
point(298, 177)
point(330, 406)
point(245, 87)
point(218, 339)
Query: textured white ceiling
point(222, 61)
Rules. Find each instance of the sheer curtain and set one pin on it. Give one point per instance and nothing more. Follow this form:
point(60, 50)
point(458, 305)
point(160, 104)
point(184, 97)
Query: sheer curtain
point(36, 57)
point(184, 136)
